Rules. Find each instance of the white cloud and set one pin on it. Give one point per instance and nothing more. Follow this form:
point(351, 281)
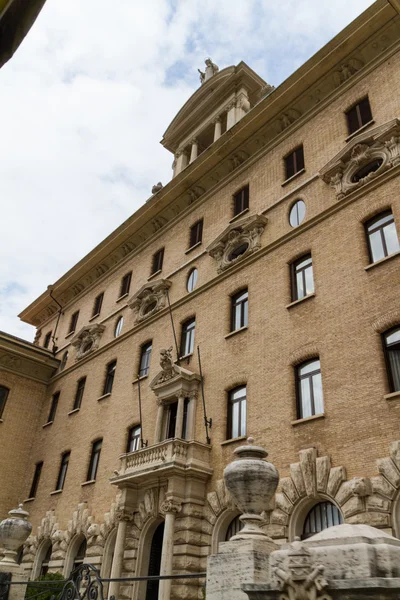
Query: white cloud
point(86, 99)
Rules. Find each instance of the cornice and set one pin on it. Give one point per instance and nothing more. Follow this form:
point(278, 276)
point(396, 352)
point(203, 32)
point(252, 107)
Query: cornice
point(23, 358)
point(367, 41)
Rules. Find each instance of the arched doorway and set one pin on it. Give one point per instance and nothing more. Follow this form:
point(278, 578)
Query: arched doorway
point(155, 562)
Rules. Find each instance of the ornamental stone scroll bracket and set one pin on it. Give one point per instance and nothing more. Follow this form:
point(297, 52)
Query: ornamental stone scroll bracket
point(87, 340)
point(151, 298)
point(237, 241)
point(378, 148)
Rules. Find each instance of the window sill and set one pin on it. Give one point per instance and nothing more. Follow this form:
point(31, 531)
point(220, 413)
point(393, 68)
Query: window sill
point(28, 500)
point(88, 482)
point(72, 412)
point(94, 317)
point(392, 396)
point(193, 247)
point(103, 396)
point(362, 128)
point(307, 419)
point(382, 260)
point(122, 297)
point(238, 439)
point(47, 424)
point(186, 356)
point(154, 274)
point(69, 334)
point(231, 333)
point(296, 302)
point(293, 177)
point(139, 378)
point(246, 210)
point(55, 492)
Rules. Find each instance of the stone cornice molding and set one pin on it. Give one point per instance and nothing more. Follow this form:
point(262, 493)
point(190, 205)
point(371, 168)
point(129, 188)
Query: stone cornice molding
point(151, 298)
point(24, 359)
point(87, 340)
point(246, 231)
point(381, 143)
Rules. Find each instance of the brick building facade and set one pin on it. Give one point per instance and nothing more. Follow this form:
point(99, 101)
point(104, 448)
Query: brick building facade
point(275, 249)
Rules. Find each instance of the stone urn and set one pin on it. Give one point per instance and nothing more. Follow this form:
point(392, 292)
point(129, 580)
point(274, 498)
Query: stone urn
point(252, 482)
point(14, 531)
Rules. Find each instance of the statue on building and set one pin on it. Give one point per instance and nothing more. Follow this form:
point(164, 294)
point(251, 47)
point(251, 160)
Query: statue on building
point(156, 188)
point(210, 70)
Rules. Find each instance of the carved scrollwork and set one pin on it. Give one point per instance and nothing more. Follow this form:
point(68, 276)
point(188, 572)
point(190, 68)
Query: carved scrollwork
point(170, 506)
point(87, 340)
point(151, 298)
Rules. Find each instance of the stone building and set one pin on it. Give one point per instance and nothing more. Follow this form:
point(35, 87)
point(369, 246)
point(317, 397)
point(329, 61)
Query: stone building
point(274, 253)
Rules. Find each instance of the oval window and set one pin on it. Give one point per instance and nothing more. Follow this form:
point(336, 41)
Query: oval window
point(297, 213)
point(150, 307)
point(238, 251)
point(192, 280)
point(118, 327)
point(87, 346)
point(366, 170)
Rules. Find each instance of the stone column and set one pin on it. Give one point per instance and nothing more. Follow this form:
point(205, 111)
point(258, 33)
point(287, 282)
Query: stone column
point(179, 417)
point(181, 161)
point(217, 128)
point(170, 508)
point(191, 418)
point(194, 149)
point(231, 114)
point(159, 422)
point(124, 517)
point(242, 104)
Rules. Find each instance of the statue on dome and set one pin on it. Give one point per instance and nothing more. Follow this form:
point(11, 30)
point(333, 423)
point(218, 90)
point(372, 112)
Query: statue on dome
point(210, 70)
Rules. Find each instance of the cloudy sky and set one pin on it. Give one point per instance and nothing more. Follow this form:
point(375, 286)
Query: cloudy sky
point(86, 99)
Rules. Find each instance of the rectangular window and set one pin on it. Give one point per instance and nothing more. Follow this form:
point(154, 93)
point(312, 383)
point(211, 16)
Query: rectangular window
point(357, 116)
point(310, 399)
point(47, 339)
point(187, 339)
point(35, 481)
point(382, 236)
point(157, 263)
point(302, 277)
point(63, 470)
point(196, 233)
point(125, 284)
point(145, 355)
point(391, 345)
point(53, 407)
point(97, 304)
point(237, 412)
point(294, 162)
point(80, 388)
point(73, 322)
point(94, 460)
point(241, 201)
point(239, 310)
point(110, 374)
point(134, 436)
point(3, 398)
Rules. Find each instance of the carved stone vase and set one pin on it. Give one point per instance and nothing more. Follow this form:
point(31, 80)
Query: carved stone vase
point(252, 482)
point(14, 531)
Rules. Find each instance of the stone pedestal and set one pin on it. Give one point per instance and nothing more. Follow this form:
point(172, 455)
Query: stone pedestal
point(17, 592)
point(237, 563)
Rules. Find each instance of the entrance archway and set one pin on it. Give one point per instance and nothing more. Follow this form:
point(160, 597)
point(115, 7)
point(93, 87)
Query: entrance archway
point(155, 562)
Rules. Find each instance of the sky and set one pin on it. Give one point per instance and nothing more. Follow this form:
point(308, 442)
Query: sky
point(86, 99)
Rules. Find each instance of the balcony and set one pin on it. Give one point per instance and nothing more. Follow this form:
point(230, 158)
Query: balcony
point(167, 458)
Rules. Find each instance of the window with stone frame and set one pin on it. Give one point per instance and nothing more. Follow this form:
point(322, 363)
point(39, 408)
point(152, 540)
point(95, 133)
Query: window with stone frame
point(382, 236)
point(80, 555)
point(302, 277)
point(391, 347)
point(237, 400)
point(310, 399)
point(187, 337)
point(145, 356)
point(53, 407)
point(241, 201)
point(94, 460)
point(320, 517)
point(240, 310)
point(109, 379)
point(35, 480)
point(44, 567)
point(98, 301)
point(4, 391)
point(62, 473)
point(157, 261)
point(125, 284)
point(47, 339)
point(73, 322)
point(196, 233)
point(358, 115)
point(80, 388)
point(134, 437)
point(294, 162)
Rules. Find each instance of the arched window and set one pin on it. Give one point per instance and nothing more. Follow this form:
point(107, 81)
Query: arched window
point(44, 567)
point(235, 526)
point(391, 345)
point(320, 517)
point(80, 555)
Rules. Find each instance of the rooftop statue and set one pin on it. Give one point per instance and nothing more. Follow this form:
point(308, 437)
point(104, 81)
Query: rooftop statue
point(211, 69)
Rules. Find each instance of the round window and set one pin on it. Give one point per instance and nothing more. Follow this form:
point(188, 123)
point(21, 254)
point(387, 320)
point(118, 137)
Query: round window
point(87, 346)
point(150, 307)
point(297, 213)
point(192, 280)
point(238, 251)
point(366, 170)
point(118, 327)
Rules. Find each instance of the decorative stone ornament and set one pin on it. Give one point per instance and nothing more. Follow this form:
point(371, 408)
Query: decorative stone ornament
point(87, 340)
point(252, 482)
point(364, 158)
point(241, 238)
point(14, 531)
point(151, 298)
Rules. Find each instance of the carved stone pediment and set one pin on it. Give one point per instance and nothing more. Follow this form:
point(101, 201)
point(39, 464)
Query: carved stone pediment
point(151, 298)
point(379, 146)
point(87, 340)
point(238, 240)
